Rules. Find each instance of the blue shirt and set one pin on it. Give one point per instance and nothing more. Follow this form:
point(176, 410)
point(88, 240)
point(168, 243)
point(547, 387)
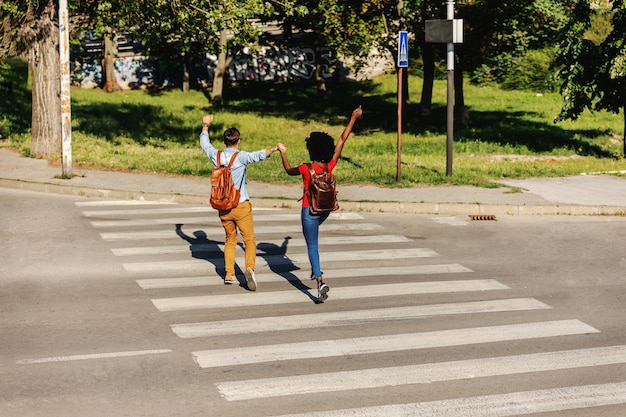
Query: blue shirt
point(239, 165)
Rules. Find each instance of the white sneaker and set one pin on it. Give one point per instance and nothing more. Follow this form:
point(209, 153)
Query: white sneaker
point(250, 279)
point(322, 291)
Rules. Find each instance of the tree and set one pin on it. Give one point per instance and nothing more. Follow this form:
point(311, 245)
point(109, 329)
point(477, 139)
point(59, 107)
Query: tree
point(193, 27)
point(411, 15)
point(347, 28)
point(499, 33)
point(30, 29)
point(32, 32)
point(110, 53)
point(593, 69)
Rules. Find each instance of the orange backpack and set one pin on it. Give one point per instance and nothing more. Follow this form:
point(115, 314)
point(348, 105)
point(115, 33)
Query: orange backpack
point(224, 195)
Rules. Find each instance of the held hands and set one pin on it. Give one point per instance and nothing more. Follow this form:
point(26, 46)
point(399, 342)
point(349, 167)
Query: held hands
point(273, 149)
point(281, 147)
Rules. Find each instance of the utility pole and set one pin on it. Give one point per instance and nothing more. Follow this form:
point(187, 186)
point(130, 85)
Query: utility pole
point(64, 64)
point(449, 31)
point(450, 105)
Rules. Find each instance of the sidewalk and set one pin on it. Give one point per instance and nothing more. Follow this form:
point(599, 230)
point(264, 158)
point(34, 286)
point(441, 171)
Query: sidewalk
point(577, 195)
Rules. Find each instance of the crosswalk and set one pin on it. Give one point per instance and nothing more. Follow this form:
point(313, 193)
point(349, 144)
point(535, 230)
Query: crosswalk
point(169, 248)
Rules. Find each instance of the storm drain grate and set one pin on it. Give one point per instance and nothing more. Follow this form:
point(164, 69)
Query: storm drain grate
point(482, 216)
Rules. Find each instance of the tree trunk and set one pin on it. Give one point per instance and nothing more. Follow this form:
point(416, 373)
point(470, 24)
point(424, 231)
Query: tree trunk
point(461, 113)
point(319, 73)
point(186, 76)
point(110, 53)
point(220, 71)
point(43, 60)
point(319, 79)
point(624, 138)
point(428, 55)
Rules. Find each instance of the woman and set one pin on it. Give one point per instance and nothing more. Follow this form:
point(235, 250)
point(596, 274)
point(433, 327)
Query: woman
point(322, 151)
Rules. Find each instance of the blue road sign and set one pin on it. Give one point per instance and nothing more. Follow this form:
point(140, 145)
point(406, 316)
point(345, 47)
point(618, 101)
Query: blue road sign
point(403, 49)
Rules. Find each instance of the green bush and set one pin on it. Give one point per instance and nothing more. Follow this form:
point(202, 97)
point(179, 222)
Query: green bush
point(532, 72)
point(483, 76)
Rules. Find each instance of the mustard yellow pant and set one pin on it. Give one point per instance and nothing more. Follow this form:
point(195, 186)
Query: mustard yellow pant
point(239, 218)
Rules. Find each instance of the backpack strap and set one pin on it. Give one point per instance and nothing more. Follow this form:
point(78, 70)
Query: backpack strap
point(219, 159)
point(230, 164)
point(232, 158)
point(306, 189)
point(311, 173)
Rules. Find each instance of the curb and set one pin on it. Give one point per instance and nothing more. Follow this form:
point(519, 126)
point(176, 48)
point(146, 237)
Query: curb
point(357, 206)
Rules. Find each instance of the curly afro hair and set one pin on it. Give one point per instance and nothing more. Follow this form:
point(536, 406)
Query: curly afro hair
point(321, 146)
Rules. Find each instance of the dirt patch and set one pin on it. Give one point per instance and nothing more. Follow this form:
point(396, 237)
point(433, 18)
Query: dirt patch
point(524, 158)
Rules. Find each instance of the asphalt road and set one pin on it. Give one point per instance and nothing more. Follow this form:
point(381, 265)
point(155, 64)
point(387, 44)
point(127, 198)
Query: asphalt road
point(107, 310)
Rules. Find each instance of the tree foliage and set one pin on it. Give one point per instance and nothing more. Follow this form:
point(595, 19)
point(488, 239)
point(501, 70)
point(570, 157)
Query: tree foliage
point(499, 33)
point(192, 28)
point(347, 27)
point(593, 69)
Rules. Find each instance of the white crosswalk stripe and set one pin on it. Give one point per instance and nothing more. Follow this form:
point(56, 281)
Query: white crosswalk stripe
point(498, 405)
point(345, 318)
point(291, 243)
point(200, 265)
point(219, 231)
point(210, 219)
point(178, 210)
point(115, 203)
point(191, 258)
point(421, 374)
point(339, 293)
point(388, 343)
point(155, 283)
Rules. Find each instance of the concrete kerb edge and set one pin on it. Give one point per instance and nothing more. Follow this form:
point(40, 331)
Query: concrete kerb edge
point(372, 207)
point(450, 209)
point(101, 192)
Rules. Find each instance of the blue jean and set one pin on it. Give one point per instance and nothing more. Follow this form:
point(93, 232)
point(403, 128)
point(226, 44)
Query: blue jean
point(310, 229)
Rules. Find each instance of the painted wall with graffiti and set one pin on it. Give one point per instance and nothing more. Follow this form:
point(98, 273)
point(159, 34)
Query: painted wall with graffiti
point(273, 64)
point(268, 64)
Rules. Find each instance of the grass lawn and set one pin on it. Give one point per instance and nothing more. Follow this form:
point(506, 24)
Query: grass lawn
point(511, 135)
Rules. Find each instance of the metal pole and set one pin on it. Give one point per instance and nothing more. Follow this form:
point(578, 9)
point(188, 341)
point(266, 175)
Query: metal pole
point(450, 107)
point(64, 64)
point(399, 158)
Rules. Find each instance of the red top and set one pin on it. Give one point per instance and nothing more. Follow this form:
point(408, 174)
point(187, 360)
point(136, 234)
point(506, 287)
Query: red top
point(306, 177)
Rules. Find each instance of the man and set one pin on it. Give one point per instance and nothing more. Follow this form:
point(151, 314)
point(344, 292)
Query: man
point(241, 216)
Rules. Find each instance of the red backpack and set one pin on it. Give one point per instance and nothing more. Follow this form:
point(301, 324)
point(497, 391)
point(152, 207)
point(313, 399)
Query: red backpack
point(224, 195)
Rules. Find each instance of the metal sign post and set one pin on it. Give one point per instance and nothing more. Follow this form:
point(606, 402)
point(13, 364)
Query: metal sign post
point(403, 62)
point(448, 31)
point(450, 105)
